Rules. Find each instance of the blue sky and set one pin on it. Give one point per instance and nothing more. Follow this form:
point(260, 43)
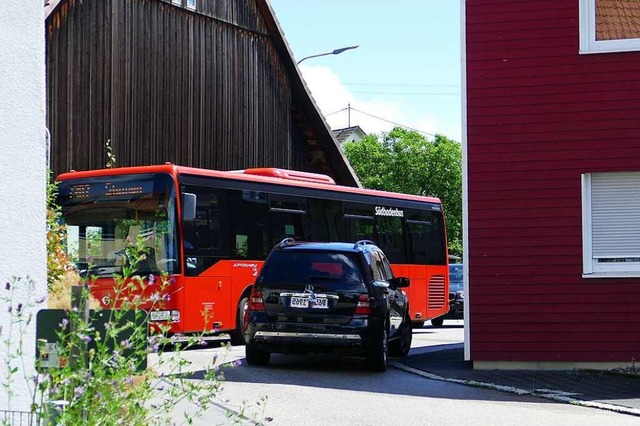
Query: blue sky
point(406, 70)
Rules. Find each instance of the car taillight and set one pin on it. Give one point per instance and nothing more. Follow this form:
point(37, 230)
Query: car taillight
point(256, 303)
point(364, 306)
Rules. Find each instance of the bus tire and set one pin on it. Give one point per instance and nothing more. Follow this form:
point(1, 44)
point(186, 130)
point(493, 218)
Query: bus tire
point(437, 322)
point(237, 335)
point(417, 324)
point(256, 356)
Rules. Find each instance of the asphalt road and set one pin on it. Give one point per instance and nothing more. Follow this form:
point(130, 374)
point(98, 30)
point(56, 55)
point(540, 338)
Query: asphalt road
point(325, 390)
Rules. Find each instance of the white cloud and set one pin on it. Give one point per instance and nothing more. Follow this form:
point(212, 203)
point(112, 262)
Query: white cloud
point(331, 96)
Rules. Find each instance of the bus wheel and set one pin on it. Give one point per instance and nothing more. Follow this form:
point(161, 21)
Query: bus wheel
point(437, 322)
point(417, 324)
point(237, 336)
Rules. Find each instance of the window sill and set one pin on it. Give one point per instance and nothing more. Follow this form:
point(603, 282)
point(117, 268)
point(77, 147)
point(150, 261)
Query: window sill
point(633, 274)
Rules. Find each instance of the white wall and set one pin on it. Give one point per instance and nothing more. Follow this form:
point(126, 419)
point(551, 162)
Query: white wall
point(23, 168)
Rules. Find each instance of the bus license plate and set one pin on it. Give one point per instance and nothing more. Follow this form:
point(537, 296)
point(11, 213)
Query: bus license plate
point(303, 302)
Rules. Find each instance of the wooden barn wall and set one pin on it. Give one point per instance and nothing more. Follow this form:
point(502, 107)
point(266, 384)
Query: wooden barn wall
point(163, 83)
point(539, 115)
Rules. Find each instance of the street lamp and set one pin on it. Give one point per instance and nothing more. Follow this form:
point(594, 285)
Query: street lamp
point(334, 52)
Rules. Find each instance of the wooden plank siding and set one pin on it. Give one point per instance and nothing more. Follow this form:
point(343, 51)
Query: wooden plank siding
point(207, 88)
point(538, 116)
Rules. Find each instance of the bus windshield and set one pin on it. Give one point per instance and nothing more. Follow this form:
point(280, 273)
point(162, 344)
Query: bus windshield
point(105, 215)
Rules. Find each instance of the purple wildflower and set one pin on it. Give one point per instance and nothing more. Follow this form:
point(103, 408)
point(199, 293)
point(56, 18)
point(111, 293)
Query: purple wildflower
point(152, 279)
point(236, 363)
point(160, 388)
point(216, 329)
point(7, 286)
point(129, 381)
point(20, 307)
point(125, 344)
point(84, 338)
point(166, 297)
point(78, 391)
point(10, 308)
point(155, 297)
point(64, 323)
point(41, 299)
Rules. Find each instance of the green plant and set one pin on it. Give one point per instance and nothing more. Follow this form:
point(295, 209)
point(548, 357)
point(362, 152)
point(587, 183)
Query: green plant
point(111, 157)
point(57, 260)
point(101, 376)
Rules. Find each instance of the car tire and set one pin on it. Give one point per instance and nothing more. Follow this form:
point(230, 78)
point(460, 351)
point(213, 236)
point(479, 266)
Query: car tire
point(437, 322)
point(237, 335)
point(378, 357)
point(402, 345)
point(256, 356)
point(417, 324)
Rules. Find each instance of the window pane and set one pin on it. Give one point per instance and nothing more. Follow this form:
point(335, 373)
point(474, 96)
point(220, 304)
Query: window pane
point(617, 19)
point(425, 237)
point(108, 216)
point(390, 238)
point(325, 220)
point(248, 224)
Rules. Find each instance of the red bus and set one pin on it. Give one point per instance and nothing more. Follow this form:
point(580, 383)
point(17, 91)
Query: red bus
point(210, 231)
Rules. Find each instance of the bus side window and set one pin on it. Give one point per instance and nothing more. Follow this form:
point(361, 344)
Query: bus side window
point(287, 218)
point(325, 220)
point(247, 223)
point(425, 237)
point(391, 239)
point(359, 223)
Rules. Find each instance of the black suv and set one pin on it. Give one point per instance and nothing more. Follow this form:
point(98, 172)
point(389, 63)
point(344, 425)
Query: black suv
point(328, 298)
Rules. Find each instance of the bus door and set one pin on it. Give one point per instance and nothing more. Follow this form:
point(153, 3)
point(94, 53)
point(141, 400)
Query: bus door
point(207, 285)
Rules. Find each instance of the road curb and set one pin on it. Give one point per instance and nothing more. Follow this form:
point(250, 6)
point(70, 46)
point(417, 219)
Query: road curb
point(553, 395)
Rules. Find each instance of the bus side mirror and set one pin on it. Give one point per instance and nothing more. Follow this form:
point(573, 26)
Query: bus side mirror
point(188, 207)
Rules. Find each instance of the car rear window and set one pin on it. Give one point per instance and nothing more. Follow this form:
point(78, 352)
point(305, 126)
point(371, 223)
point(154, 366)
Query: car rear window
point(331, 271)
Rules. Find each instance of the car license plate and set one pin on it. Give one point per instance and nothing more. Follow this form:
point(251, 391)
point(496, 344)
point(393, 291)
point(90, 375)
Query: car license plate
point(303, 302)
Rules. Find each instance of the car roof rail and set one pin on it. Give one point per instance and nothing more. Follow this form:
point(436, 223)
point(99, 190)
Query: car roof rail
point(363, 243)
point(286, 242)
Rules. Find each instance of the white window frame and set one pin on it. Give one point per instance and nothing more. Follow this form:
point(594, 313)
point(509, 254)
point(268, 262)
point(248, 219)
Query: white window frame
point(591, 267)
point(588, 42)
point(177, 2)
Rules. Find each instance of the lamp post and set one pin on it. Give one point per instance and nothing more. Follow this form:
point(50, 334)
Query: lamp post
point(334, 52)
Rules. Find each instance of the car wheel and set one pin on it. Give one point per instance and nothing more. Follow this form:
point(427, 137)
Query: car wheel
point(378, 357)
point(256, 356)
point(437, 322)
point(417, 324)
point(401, 346)
point(237, 335)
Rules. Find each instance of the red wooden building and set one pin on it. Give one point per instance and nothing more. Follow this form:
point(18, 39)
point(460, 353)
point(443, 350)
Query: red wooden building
point(552, 182)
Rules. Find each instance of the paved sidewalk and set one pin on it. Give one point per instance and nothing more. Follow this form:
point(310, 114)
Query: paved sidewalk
point(605, 390)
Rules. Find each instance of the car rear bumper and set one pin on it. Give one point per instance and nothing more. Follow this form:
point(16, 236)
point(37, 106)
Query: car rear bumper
point(353, 338)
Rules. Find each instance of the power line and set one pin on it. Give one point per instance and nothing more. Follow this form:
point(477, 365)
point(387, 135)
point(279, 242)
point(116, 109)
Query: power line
point(406, 93)
point(390, 122)
point(401, 85)
point(335, 112)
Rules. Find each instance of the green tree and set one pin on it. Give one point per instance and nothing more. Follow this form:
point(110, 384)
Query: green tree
point(405, 161)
